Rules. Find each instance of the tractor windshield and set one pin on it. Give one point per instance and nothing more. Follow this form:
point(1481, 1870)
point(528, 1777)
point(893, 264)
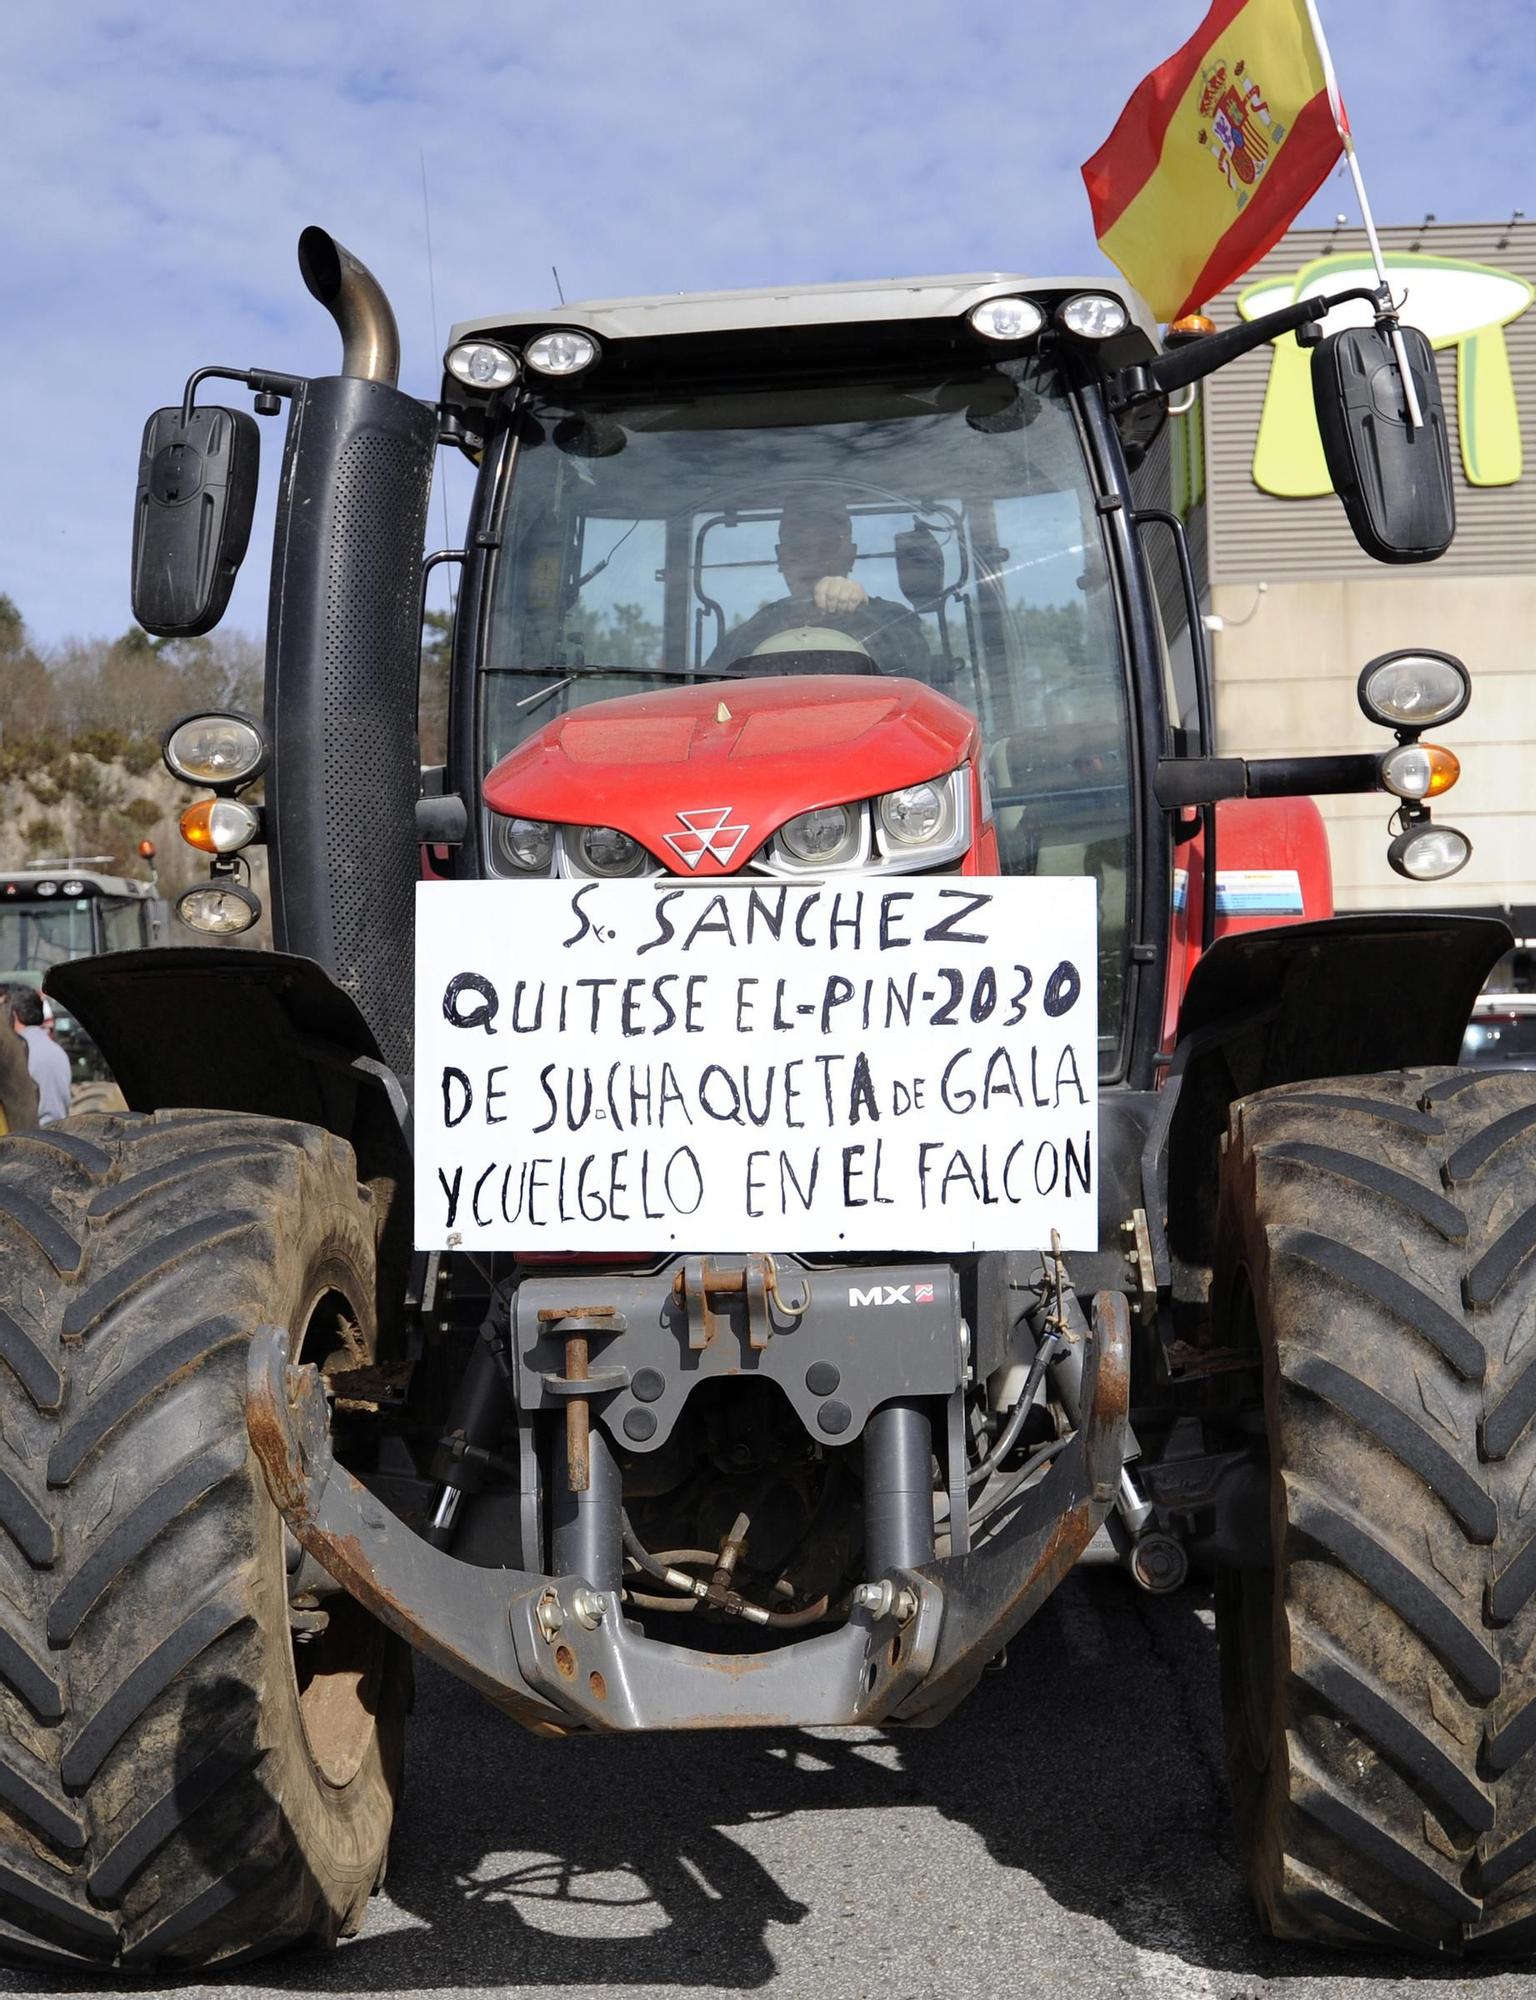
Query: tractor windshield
point(35, 936)
point(940, 529)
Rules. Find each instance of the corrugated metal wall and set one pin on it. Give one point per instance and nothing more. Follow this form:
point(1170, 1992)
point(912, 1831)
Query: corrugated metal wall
point(1254, 535)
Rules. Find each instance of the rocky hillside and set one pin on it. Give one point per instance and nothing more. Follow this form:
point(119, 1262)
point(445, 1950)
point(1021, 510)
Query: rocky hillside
point(80, 729)
point(57, 803)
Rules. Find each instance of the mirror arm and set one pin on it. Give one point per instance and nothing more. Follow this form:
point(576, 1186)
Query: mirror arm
point(1192, 362)
point(1204, 781)
point(268, 384)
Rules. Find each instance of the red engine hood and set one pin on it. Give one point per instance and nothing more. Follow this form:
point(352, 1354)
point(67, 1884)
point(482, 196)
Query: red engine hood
point(760, 750)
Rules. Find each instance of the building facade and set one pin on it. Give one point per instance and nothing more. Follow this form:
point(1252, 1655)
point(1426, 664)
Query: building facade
point(1296, 608)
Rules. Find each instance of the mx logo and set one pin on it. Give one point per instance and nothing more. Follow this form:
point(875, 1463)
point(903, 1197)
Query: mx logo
point(705, 831)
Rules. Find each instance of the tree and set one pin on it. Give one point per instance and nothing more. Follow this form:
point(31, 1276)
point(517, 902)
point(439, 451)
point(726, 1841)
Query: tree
point(27, 703)
point(436, 666)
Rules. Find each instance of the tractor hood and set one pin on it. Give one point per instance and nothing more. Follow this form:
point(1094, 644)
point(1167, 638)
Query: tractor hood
point(760, 750)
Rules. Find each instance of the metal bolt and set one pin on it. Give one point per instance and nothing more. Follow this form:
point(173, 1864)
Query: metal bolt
point(1159, 1563)
point(875, 1598)
point(906, 1605)
point(550, 1614)
point(589, 1606)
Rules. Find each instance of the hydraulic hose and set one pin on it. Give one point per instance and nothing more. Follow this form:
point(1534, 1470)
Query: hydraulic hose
point(1008, 1437)
point(695, 1589)
point(1033, 1464)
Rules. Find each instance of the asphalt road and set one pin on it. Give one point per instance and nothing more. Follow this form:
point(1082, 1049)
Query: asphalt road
point(1066, 1832)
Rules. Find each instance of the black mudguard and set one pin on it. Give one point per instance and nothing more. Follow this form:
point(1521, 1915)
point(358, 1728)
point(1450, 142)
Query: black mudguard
point(1345, 997)
point(230, 1030)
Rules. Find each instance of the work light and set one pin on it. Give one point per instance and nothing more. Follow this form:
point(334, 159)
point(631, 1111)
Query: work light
point(1428, 853)
point(1094, 316)
point(223, 749)
point(481, 364)
point(218, 909)
point(561, 352)
point(1007, 319)
point(1410, 691)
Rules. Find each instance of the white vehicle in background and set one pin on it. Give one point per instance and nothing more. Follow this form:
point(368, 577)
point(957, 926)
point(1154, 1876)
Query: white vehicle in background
point(1502, 1031)
point(49, 916)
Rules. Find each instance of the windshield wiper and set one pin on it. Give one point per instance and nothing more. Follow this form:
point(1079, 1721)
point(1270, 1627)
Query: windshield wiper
point(733, 672)
point(569, 674)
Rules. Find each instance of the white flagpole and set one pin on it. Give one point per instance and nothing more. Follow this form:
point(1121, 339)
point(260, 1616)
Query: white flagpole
point(1341, 122)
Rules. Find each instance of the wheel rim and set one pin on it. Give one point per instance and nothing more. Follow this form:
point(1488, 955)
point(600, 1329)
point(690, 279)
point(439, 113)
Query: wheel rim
point(338, 1672)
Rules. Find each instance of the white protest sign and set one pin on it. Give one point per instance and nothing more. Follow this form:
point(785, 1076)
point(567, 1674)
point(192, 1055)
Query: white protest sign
point(885, 1064)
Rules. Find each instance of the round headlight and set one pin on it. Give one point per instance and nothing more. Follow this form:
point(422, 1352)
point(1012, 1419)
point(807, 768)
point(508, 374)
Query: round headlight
point(219, 826)
point(603, 850)
point(819, 834)
point(74, 888)
point(563, 352)
point(1094, 316)
point(481, 364)
point(1429, 853)
point(914, 815)
point(218, 909)
point(218, 750)
point(1414, 690)
point(529, 844)
point(46, 888)
point(1007, 319)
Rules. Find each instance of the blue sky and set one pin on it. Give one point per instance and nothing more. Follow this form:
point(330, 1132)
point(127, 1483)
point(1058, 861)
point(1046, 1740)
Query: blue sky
point(159, 164)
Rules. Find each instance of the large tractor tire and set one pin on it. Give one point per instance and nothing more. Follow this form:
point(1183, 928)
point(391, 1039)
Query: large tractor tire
point(185, 1777)
point(1379, 1679)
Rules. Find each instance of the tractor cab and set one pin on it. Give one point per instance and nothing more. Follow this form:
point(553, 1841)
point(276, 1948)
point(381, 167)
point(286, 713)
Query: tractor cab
point(51, 916)
point(810, 583)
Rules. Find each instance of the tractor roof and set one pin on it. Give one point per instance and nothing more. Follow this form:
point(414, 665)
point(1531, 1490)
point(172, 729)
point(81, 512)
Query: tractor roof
point(20, 884)
point(762, 310)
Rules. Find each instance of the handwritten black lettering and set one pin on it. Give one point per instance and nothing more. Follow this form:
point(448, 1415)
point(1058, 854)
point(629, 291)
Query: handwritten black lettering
point(665, 930)
point(588, 928)
point(944, 932)
point(452, 1076)
point(473, 1017)
point(1062, 989)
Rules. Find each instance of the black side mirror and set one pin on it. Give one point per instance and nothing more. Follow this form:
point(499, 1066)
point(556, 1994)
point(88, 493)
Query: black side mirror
point(1394, 481)
point(920, 566)
point(192, 516)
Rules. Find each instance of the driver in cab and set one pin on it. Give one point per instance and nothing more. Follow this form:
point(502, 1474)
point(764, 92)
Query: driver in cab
point(815, 554)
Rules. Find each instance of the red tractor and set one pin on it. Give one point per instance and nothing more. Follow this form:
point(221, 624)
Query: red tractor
point(831, 601)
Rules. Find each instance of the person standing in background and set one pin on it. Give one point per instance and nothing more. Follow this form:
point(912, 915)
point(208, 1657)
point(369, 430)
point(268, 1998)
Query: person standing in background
point(47, 1062)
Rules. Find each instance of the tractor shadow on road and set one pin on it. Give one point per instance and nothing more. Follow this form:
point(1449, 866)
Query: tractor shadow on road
point(1091, 1764)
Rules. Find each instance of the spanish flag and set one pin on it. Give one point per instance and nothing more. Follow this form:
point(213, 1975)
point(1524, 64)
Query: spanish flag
point(1217, 152)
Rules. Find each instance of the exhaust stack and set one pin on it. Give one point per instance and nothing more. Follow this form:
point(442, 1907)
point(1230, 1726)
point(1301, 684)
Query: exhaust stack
point(343, 652)
point(354, 298)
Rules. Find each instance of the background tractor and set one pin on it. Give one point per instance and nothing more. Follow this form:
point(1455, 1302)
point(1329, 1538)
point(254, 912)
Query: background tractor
point(49, 916)
point(831, 600)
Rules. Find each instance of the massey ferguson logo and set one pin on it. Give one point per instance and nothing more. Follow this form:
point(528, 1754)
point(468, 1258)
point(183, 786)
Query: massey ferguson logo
point(706, 832)
point(890, 1295)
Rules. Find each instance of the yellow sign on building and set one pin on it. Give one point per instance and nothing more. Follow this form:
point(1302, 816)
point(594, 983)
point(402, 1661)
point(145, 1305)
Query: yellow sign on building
point(1455, 304)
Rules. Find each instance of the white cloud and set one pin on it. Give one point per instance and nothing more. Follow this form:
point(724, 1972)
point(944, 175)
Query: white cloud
point(160, 166)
